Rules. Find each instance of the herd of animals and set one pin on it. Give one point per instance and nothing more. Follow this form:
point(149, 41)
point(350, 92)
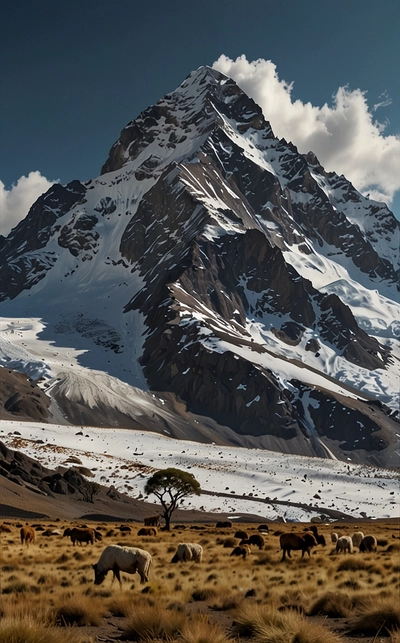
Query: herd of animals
point(117, 558)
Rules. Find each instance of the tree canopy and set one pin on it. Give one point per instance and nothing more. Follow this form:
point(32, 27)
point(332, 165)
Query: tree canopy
point(170, 486)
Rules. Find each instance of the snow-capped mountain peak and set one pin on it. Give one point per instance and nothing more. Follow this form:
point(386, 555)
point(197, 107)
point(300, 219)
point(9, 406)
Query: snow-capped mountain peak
point(213, 262)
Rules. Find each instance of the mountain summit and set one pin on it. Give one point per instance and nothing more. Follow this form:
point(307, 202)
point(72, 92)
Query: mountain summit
point(212, 283)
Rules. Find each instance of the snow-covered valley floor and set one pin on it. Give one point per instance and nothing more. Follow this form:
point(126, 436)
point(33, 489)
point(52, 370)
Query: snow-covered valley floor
point(126, 458)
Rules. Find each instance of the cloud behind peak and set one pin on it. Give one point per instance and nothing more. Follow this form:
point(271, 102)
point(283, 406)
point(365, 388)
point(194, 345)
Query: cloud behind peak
point(345, 136)
point(15, 202)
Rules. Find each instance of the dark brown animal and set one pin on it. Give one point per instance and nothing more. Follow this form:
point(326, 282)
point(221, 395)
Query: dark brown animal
point(318, 537)
point(254, 539)
point(243, 535)
point(263, 528)
point(368, 543)
point(125, 528)
point(241, 550)
point(302, 542)
point(152, 521)
point(257, 540)
point(224, 524)
point(27, 535)
point(81, 535)
point(147, 531)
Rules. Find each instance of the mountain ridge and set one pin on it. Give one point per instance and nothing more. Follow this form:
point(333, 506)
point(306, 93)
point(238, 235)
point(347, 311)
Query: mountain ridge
point(243, 279)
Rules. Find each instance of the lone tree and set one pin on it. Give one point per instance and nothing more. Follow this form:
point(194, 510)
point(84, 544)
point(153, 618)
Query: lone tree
point(170, 486)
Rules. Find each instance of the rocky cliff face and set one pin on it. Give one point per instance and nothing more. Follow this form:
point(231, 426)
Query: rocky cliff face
point(259, 278)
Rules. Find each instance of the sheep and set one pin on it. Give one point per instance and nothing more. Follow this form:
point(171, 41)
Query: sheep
point(241, 534)
point(188, 551)
point(147, 531)
point(122, 559)
point(152, 521)
point(357, 538)
point(334, 537)
point(304, 542)
point(241, 550)
point(368, 543)
point(254, 539)
point(344, 543)
point(27, 535)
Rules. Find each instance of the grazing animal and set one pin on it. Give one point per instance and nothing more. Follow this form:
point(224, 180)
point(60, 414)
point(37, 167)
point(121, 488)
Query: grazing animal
point(368, 543)
point(122, 559)
point(224, 524)
point(243, 535)
point(188, 551)
point(241, 550)
point(254, 539)
point(27, 535)
point(152, 521)
point(4, 529)
point(357, 538)
point(263, 528)
point(344, 543)
point(51, 532)
point(318, 537)
point(147, 531)
point(334, 537)
point(82, 535)
point(303, 542)
point(125, 528)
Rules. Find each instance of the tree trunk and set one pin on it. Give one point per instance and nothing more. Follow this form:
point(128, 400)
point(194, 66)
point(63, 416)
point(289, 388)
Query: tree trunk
point(167, 519)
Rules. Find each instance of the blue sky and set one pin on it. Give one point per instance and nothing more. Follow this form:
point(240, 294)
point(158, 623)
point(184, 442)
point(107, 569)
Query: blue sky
point(74, 73)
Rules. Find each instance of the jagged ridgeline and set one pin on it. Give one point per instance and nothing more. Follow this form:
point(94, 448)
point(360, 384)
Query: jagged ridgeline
point(214, 264)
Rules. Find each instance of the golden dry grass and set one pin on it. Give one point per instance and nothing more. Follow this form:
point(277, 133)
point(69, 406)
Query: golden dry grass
point(47, 588)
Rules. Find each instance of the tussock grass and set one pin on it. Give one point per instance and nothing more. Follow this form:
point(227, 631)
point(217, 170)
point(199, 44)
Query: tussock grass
point(200, 630)
point(285, 595)
point(358, 564)
point(266, 625)
point(383, 617)
point(333, 605)
point(78, 610)
point(149, 622)
point(306, 632)
point(26, 629)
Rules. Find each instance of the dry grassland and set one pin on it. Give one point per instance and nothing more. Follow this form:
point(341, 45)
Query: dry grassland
point(47, 594)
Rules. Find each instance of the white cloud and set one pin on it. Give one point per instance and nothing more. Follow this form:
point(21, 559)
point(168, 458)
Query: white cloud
point(345, 136)
point(15, 203)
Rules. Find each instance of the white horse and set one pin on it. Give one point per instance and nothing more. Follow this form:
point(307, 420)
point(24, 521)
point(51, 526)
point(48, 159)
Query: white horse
point(122, 559)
